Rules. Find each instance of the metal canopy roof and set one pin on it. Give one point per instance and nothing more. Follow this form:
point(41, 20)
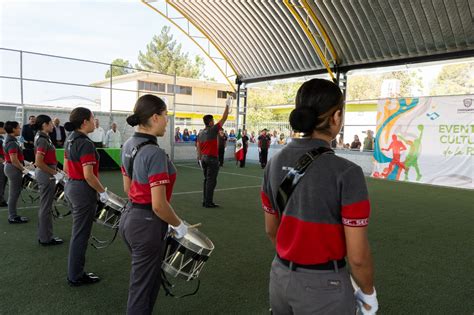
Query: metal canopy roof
point(265, 39)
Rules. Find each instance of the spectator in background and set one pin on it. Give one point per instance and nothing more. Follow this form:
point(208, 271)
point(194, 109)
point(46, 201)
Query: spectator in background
point(274, 138)
point(290, 137)
point(58, 135)
point(3, 178)
point(193, 136)
point(282, 140)
point(185, 135)
point(28, 133)
point(221, 144)
point(340, 142)
point(245, 145)
point(252, 137)
point(113, 139)
point(355, 145)
point(178, 137)
point(369, 141)
point(98, 135)
point(232, 136)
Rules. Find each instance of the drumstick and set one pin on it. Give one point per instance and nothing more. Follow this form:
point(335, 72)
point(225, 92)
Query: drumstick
point(194, 226)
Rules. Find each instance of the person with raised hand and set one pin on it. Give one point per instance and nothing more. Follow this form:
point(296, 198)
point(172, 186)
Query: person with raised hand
point(148, 180)
point(81, 164)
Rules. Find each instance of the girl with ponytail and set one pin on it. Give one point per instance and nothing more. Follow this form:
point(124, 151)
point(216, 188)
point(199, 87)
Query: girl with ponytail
point(323, 218)
point(81, 164)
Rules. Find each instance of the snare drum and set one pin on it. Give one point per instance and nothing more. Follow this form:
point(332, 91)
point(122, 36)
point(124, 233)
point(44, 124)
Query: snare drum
point(29, 182)
point(186, 257)
point(108, 214)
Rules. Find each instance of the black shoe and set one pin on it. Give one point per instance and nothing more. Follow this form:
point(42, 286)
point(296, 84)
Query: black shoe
point(3, 204)
point(87, 278)
point(53, 241)
point(211, 205)
point(18, 219)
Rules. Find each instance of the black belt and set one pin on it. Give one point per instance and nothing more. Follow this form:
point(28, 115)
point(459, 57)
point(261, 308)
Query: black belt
point(144, 206)
point(330, 265)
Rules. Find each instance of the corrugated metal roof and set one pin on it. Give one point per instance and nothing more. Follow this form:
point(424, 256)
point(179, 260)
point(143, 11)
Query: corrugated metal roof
point(263, 39)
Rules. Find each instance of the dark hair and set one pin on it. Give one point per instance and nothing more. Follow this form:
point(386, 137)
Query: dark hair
point(2, 124)
point(77, 117)
point(207, 119)
point(316, 101)
point(40, 120)
point(145, 107)
point(10, 126)
point(31, 116)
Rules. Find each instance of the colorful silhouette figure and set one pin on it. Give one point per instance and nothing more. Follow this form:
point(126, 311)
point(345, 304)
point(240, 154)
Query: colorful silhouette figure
point(411, 159)
point(397, 147)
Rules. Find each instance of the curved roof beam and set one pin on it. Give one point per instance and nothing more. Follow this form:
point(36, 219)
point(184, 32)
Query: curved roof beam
point(193, 38)
point(304, 24)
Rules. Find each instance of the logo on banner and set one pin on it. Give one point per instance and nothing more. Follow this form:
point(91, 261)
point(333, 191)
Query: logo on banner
point(467, 104)
point(432, 115)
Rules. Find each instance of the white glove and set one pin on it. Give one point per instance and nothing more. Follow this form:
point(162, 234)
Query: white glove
point(228, 101)
point(25, 171)
point(103, 196)
point(370, 300)
point(180, 230)
point(58, 176)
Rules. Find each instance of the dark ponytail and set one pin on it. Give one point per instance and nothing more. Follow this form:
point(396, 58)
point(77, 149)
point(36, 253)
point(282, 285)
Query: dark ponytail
point(316, 101)
point(77, 117)
point(145, 107)
point(40, 120)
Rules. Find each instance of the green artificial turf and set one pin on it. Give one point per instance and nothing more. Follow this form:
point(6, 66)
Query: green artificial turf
point(421, 236)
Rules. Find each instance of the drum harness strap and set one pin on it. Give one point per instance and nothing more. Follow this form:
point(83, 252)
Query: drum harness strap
point(294, 176)
point(167, 285)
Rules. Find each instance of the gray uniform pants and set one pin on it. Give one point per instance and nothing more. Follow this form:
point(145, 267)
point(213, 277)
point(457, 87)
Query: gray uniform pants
point(47, 186)
point(210, 166)
point(83, 205)
point(3, 182)
point(304, 291)
point(15, 179)
point(143, 233)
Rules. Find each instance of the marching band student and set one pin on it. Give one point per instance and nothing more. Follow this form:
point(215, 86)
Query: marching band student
point(14, 170)
point(323, 219)
point(148, 179)
point(46, 176)
point(3, 178)
point(81, 164)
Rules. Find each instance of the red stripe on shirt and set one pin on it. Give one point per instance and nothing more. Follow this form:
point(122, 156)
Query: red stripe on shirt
point(266, 204)
point(209, 147)
point(356, 214)
point(310, 243)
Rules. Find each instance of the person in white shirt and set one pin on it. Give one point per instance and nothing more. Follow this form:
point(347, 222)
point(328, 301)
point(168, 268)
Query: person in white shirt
point(113, 139)
point(98, 135)
point(274, 138)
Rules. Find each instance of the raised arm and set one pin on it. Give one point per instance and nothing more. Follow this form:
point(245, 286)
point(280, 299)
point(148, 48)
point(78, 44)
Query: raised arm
point(228, 102)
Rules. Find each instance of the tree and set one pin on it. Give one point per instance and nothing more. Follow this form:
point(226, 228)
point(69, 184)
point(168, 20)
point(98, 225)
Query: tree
point(119, 70)
point(454, 79)
point(164, 55)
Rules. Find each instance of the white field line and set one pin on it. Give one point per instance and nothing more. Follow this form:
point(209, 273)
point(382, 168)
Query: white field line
point(174, 194)
point(223, 172)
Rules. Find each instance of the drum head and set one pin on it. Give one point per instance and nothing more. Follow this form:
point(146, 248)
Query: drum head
point(197, 242)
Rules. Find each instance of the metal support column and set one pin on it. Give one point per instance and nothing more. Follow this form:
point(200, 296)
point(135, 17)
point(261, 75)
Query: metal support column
point(173, 121)
point(341, 81)
point(239, 83)
point(19, 114)
point(111, 92)
point(245, 109)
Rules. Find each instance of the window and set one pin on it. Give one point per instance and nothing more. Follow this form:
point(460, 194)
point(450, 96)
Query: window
point(180, 89)
point(151, 86)
point(224, 94)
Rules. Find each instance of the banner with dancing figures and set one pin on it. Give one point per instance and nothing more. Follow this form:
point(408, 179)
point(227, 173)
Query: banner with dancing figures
point(426, 140)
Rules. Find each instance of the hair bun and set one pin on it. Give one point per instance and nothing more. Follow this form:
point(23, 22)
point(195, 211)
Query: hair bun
point(133, 120)
point(303, 119)
point(69, 126)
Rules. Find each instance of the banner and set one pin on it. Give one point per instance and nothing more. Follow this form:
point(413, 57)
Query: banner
point(426, 140)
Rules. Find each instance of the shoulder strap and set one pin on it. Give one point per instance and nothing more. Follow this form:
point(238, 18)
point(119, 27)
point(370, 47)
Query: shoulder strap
point(134, 155)
point(295, 174)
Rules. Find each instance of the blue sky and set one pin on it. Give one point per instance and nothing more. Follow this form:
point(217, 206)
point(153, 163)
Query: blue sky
point(95, 30)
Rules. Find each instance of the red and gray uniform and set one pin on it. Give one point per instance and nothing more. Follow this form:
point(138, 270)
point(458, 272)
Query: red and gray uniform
point(142, 230)
point(14, 175)
point(80, 151)
point(332, 194)
point(47, 185)
point(208, 144)
point(264, 145)
point(3, 178)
